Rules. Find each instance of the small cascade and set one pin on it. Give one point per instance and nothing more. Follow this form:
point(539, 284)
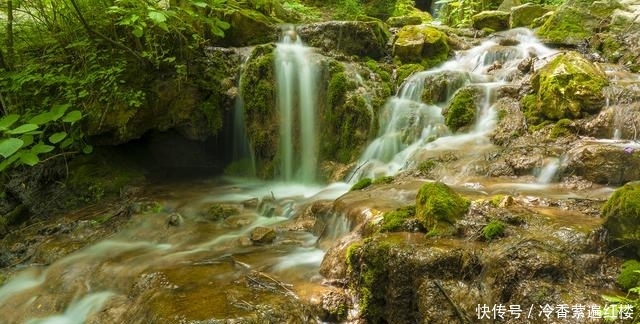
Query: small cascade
point(242, 150)
point(296, 100)
point(549, 172)
point(622, 96)
point(412, 120)
point(78, 311)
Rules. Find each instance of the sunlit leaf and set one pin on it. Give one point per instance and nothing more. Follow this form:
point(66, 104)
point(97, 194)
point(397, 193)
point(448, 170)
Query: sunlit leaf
point(200, 4)
point(66, 143)
point(27, 140)
point(6, 163)
point(57, 137)
point(10, 146)
point(29, 158)
point(41, 148)
point(137, 31)
point(42, 118)
point(87, 149)
point(222, 24)
point(58, 111)
point(72, 116)
point(23, 129)
point(157, 17)
point(8, 120)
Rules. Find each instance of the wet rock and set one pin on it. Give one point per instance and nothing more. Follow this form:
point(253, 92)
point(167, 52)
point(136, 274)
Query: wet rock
point(175, 219)
point(335, 305)
point(493, 20)
point(251, 203)
point(604, 164)
point(461, 110)
point(404, 21)
point(248, 27)
point(263, 235)
point(623, 218)
point(511, 122)
point(524, 15)
point(567, 87)
point(334, 264)
point(217, 212)
point(359, 38)
point(438, 206)
point(422, 44)
point(441, 85)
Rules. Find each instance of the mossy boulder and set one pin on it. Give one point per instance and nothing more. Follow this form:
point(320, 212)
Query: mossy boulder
point(575, 21)
point(442, 85)
point(438, 206)
point(629, 276)
point(422, 44)
point(381, 9)
point(494, 20)
point(569, 86)
point(361, 38)
point(248, 27)
point(524, 15)
point(258, 88)
point(461, 111)
point(622, 214)
point(404, 21)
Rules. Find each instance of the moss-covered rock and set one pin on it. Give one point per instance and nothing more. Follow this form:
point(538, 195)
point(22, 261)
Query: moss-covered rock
point(406, 70)
point(494, 20)
point(396, 220)
point(248, 27)
point(524, 15)
point(422, 44)
point(441, 86)
point(622, 214)
point(381, 9)
point(361, 184)
point(561, 129)
point(461, 111)
point(569, 86)
point(629, 276)
point(575, 21)
point(258, 88)
point(361, 38)
point(494, 229)
point(404, 21)
point(438, 206)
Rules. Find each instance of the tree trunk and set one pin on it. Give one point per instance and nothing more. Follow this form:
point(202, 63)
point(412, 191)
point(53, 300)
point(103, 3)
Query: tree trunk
point(10, 29)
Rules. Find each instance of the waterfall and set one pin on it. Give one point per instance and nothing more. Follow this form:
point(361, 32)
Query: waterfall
point(296, 100)
point(242, 150)
point(549, 171)
point(408, 123)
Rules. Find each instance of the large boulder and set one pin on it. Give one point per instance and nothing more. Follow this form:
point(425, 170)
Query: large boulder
point(524, 15)
point(381, 9)
point(604, 164)
point(494, 20)
point(438, 206)
point(421, 44)
point(361, 38)
point(569, 86)
point(461, 111)
point(511, 122)
point(248, 27)
point(576, 20)
point(622, 214)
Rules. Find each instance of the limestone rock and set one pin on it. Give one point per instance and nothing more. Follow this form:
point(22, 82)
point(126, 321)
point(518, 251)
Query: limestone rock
point(404, 21)
point(461, 111)
point(262, 235)
point(361, 38)
point(495, 20)
point(524, 15)
point(421, 44)
point(622, 213)
point(248, 27)
point(605, 164)
point(511, 122)
point(569, 86)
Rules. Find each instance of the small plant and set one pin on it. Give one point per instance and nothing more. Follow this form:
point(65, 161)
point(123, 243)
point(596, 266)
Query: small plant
point(361, 184)
point(427, 165)
point(492, 230)
point(629, 276)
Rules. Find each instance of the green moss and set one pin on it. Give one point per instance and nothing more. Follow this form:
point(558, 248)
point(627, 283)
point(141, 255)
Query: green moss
point(629, 276)
point(383, 180)
point(565, 26)
point(462, 108)
point(492, 230)
point(361, 184)
point(404, 71)
point(491, 21)
point(427, 165)
point(436, 203)
point(496, 200)
point(622, 213)
point(394, 220)
point(561, 129)
point(374, 66)
point(381, 9)
point(240, 168)
point(421, 44)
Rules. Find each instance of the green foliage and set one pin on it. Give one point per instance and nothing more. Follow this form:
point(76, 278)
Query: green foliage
point(348, 10)
point(383, 180)
point(561, 129)
point(427, 165)
point(458, 13)
point(24, 140)
point(394, 220)
point(629, 276)
point(361, 184)
point(436, 203)
point(492, 230)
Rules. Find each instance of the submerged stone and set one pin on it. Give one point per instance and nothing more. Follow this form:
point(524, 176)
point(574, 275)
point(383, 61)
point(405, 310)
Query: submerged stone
point(263, 235)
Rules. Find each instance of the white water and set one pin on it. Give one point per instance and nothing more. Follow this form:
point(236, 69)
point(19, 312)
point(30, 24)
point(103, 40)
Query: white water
point(296, 83)
point(407, 124)
point(549, 171)
point(78, 310)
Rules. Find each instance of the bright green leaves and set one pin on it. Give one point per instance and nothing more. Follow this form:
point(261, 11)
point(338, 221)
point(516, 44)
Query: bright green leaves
point(24, 143)
point(159, 19)
point(10, 146)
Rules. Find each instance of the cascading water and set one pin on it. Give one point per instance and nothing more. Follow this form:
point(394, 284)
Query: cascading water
point(242, 150)
point(296, 83)
point(408, 124)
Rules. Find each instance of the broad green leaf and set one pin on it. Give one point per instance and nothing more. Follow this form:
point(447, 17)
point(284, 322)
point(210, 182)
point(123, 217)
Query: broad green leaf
point(87, 149)
point(41, 148)
point(8, 120)
point(58, 111)
point(200, 4)
point(66, 143)
point(6, 163)
point(217, 31)
point(42, 118)
point(163, 26)
point(72, 116)
point(26, 139)
point(57, 137)
point(23, 129)
point(137, 31)
point(35, 132)
point(157, 17)
point(29, 158)
point(10, 146)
